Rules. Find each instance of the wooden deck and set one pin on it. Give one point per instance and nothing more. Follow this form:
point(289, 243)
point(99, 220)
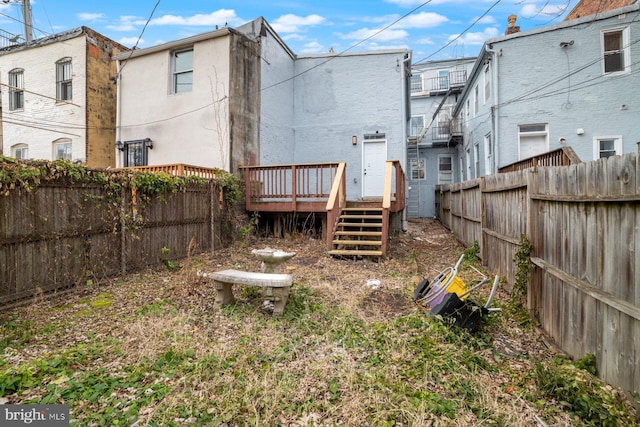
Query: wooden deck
point(317, 187)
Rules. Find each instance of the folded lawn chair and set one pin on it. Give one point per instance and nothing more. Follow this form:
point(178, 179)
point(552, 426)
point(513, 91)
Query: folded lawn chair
point(447, 296)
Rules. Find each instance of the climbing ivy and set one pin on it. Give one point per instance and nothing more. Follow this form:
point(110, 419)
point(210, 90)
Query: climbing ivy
point(522, 260)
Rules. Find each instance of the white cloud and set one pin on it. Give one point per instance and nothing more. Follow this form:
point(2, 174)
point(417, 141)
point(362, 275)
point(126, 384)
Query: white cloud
point(127, 23)
point(470, 39)
point(90, 16)
point(414, 3)
point(425, 40)
point(546, 11)
point(312, 47)
point(422, 20)
point(487, 20)
point(130, 41)
point(292, 23)
point(220, 17)
point(384, 36)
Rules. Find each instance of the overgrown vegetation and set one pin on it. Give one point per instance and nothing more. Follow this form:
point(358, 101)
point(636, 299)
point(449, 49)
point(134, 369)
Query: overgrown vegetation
point(574, 386)
point(151, 350)
point(522, 260)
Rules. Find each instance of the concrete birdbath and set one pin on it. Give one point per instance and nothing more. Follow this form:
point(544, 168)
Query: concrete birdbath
point(272, 258)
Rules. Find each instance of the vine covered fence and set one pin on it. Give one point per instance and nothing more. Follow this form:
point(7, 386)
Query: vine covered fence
point(61, 227)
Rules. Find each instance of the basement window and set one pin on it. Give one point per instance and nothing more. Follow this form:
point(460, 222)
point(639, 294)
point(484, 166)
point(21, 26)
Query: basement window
point(20, 151)
point(62, 149)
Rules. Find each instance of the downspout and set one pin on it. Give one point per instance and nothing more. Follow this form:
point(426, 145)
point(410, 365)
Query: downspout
point(495, 128)
point(405, 100)
point(118, 113)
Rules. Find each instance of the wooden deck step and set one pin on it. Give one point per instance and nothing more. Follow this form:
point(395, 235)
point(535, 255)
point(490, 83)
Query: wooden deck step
point(358, 233)
point(355, 253)
point(360, 224)
point(357, 242)
point(361, 217)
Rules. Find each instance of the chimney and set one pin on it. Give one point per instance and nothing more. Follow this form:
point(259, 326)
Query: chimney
point(512, 28)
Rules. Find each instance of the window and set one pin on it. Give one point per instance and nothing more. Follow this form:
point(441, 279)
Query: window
point(417, 126)
point(487, 84)
point(488, 152)
point(62, 149)
point(606, 146)
point(475, 101)
point(445, 169)
point(16, 89)
point(467, 159)
point(532, 140)
point(615, 49)
point(417, 168)
point(20, 151)
point(443, 79)
point(476, 158)
point(63, 79)
point(468, 107)
point(182, 80)
point(136, 152)
point(416, 84)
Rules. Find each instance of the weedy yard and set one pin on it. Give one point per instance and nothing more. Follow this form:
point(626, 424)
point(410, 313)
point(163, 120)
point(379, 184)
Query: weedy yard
point(149, 350)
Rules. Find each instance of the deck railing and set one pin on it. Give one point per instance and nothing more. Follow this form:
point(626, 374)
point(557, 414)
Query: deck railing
point(563, 156)
point(337, 201)
point(178, 169)
point(292, 188)
point(393, 197)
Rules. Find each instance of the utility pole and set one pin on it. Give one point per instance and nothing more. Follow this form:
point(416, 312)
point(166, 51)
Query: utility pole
point(26, 14)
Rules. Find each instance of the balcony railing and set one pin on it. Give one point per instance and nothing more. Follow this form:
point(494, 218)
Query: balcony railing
point(563, 156)
point(289, 188)
point(393, 196)
point(455, 79)
point(178, 169)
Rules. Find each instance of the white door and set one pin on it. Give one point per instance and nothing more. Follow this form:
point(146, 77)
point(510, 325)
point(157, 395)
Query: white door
point(374, 156)
point(532, 146)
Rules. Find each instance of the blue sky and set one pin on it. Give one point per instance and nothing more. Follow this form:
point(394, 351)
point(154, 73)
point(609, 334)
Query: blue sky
point(306, 26)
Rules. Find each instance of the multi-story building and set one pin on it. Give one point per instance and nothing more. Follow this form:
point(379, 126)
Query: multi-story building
point(59, 98)
point(434, 133)
point(573, 84)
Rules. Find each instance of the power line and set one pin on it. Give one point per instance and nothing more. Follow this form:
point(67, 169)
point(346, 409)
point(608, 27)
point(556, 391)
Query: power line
point(135, 46)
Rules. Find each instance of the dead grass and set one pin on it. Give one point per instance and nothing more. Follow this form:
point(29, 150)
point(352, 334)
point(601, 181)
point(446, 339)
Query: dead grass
point(342, 354)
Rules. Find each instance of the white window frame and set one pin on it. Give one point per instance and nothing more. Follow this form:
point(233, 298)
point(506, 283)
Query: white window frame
point(64, 80)
point(414, 87)
point(488, 153)
point(20, 151)
point(444, 79)
point(67, 147)
point(417, 169)
point(176, 73)
point(476, 159)
point(625, 51)
point(445, 177)
point(417, 132)
point(617, 145)
point(469, 165)
point(476, 101)
point(16, 89)
point(487, 84)
point(544, 133)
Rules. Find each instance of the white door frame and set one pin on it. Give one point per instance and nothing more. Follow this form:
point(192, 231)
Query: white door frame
point(364, 166)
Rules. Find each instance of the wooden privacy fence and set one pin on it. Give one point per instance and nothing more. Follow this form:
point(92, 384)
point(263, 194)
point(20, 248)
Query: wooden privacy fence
point(583, 222)
point(59, 236)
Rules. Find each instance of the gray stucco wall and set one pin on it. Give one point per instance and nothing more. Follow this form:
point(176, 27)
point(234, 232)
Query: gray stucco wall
point(337, 97)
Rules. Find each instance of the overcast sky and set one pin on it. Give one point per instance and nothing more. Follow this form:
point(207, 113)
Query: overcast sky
point(435, 29)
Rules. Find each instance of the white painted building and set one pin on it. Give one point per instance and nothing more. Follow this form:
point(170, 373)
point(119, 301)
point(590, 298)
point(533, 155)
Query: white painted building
point(177, 101)
point(57, 99)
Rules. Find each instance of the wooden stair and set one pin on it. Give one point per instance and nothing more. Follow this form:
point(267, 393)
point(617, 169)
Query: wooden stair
point(358, 232)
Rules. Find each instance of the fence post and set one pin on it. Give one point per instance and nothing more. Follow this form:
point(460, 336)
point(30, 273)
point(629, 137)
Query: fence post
point(533, 236)
point(212, 212)
point(483, 222)
point(123, 227)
